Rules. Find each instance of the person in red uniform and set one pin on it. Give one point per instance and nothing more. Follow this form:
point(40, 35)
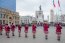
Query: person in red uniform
point(1, 28)
point(13, 29)
point(7, 29)
point(46, 26)
point(58, 30)
point(19, 30)
point(26, 30)
point(34, 29)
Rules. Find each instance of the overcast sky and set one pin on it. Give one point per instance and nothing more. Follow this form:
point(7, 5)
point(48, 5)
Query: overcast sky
point(28, 7)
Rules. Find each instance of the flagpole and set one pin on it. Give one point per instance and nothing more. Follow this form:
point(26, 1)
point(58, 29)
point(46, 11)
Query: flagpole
point(61, 14)
point(60, 9)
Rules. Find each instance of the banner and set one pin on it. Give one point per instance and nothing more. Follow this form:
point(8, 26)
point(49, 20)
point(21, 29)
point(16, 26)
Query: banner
point(54, 4)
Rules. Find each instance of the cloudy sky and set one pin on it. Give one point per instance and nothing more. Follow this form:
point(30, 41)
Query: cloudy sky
point(28, 7)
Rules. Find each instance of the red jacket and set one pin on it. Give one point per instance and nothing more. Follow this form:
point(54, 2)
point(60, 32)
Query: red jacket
point(33, 27)
point(12, 28)
point(26, 27)
point(45, 26)
point(19, 27)
point(7, 28)
point(1, 27)
point(58, 28)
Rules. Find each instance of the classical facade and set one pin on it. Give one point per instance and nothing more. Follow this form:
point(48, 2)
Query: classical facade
point(8, 16)
point(27, 19)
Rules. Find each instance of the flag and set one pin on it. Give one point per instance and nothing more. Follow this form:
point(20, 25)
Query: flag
point(54, 4)
point(58, 3)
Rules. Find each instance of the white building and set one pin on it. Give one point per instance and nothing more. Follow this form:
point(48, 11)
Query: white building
point(57, 18)
point(27, 19)
point(63, 18)
point(39, 15)
point(52, 15)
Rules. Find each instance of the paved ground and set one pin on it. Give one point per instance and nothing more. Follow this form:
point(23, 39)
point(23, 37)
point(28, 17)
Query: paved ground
point(39, 37)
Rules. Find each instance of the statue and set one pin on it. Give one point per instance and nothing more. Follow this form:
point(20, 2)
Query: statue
point(40, 7)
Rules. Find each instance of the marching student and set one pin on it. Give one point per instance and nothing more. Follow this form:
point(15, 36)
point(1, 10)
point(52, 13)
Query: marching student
point(34, 30)
point(46, 26)
point(7, 30)
point(12, 29)
point(26, 30)
point(19, 30)
point(58, 31)
point(1, 29)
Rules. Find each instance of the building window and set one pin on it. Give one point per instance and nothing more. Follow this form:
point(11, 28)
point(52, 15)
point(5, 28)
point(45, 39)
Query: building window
point(7, 21)
point(0, 21)
point(7, 16)
point(0, 15)
point(3, 15)
point(15, 22)
point(37, 16)
point(15, 17)
point(18, 22)
point(3, 21)
point(10, 17)
point(39, 12)
point(18, 17)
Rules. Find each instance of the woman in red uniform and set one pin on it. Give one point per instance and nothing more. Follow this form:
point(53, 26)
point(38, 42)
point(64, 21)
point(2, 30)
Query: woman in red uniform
point(58, 31)
point(13, 29)
point(34, 29)
point(19, 30)
point(7, 29)
point(46, 26)
point(26, 30)
point(1, 29)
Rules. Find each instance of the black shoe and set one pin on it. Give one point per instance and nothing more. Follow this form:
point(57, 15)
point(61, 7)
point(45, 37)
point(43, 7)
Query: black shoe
point(8, 37)
point(46, 38)
point(13, 35)
point(1, 34)
point(34, 36)
point(26, 36)
point(58, 39)
point(19, 36)
point(6, 34)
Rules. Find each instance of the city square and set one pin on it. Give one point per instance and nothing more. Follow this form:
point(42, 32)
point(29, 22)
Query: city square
point(32, 21)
